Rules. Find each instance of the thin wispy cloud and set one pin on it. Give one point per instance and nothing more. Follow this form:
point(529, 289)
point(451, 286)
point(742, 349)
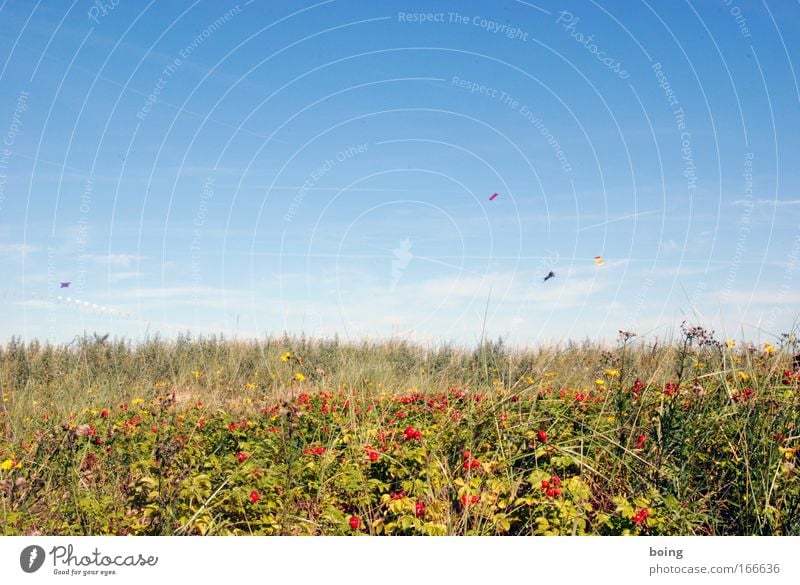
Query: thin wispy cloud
point(618, 219)
point(18, 249)
point(766, 202)
point(117, 260)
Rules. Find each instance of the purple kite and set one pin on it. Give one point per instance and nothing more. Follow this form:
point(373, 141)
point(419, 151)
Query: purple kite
point(65, 284)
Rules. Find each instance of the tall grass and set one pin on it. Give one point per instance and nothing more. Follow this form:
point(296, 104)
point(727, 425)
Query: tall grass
point(720, 428)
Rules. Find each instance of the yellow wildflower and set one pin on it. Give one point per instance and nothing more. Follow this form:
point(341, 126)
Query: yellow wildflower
point(600, 382)
point(551, 374)
point(769, 348)
point(744, 376)
point(197, 374)
point(299, 377)
point(612, 373)
point(137, 401)
point(285, 357)
point(731, 343)
point(7, 464)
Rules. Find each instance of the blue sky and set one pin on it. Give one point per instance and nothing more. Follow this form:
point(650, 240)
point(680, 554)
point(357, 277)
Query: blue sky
point(326, 167)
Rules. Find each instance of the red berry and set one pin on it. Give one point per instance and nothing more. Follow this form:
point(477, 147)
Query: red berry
point(355, 522)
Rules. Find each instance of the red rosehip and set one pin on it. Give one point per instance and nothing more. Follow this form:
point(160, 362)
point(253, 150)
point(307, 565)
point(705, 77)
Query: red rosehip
point(242, 457)
point(254, 496)
point(542, 435)
point(411, 433)
point(640, 516)
point(355, 522)
point(471, 464)
point(419, 509)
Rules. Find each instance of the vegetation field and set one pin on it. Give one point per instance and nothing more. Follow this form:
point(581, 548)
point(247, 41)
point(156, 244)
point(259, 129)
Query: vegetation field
point(291, 436)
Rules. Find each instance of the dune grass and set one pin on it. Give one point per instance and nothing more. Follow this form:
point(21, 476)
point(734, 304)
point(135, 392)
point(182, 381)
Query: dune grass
point(307, 436)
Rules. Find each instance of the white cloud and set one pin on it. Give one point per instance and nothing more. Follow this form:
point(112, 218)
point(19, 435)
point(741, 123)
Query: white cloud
point(17, 249)
point(186, 292)
point(119, 260)
point(774, 297)
point(118, 276)
point(669, 246)
point(765, 202)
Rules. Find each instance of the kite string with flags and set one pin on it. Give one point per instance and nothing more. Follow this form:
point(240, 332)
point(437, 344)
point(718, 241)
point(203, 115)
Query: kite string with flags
point(13, 295)
point(76, 304)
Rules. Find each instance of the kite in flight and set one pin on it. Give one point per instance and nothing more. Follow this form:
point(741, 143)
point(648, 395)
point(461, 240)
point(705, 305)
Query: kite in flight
point(598, 260)
point(65, 284)
point(550, 275)
point(492, 197)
